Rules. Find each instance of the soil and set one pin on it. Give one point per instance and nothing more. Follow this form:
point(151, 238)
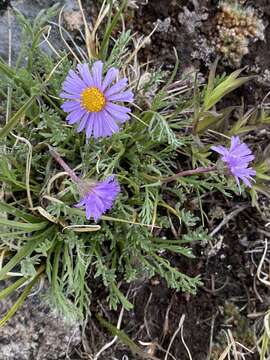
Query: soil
point(231, 298)
point(225, 300)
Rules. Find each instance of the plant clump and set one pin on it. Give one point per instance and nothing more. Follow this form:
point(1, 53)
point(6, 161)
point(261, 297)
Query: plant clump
point(235, 27)
point(131, 170)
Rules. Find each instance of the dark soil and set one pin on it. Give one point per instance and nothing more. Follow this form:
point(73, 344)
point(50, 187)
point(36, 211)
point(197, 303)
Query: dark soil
point(4, 4)
point(163, 42)
point(228, 276)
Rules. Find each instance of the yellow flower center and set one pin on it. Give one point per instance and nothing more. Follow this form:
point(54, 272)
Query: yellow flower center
point(92, 99)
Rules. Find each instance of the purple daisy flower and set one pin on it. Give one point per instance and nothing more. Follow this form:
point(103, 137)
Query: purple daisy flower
point(237, 158)
point(91, 100)
point(99, 197)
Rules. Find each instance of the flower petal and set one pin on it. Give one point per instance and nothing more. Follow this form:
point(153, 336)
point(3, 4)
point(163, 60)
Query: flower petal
point(83, 122)
point(235, 142)
point(116, 107)
point(110, 124)
point(80, 203)
point(75, 79)
point(64, 95)
point(69, 106)
point(97, 73)
point(118, 116)
point(220, 149)
point(75, 116)
point(111, 75)
point(104, 125)
point(85, 74)
point(72, 88)
point(89, 125)
point(116, 88)
point(126, 96)
point(241, 150)
point(246, 181)
point(100, 198)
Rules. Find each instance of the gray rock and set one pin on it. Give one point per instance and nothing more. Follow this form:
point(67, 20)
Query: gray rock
point(192, 19)
point(163, 26)
point(35, 332)
point(9, 26)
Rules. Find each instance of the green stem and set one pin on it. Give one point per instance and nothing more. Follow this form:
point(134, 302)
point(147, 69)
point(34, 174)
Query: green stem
point(57, 252)
point(53, 104)
point(4, 293)
point(11, 74)
point(10, 125)
point(111, 26)
point(22, 297)
point(26, 250)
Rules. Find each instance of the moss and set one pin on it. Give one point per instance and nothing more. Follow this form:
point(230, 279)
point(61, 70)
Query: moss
point(239, 326)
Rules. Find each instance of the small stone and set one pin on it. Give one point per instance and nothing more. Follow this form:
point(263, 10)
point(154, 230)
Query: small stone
point(73, 19)
point(163, 26)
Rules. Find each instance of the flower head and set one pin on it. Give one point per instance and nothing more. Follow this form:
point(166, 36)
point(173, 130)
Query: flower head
point(98, 197)
point(90, 100)
point(237, 159)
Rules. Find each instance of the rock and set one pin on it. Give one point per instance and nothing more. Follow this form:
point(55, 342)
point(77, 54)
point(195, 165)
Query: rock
point(163, 25)
point(29, 8)
point(73, 19)
point(192, 19)
point(35, 332)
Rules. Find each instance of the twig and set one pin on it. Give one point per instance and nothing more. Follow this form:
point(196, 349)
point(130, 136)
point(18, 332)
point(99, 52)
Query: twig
point(259, 270)
point(199, 170)
point(183, 341)
point(109, 344)
point(181, 322)
point(211, 336)
point(145, 313)
point(28, 167)
point(64, 165)
point(166, 322)
point(235, 352)
point(228, 218)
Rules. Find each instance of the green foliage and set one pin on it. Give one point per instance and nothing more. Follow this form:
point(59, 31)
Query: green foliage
point(40, 230)
point(205, 115)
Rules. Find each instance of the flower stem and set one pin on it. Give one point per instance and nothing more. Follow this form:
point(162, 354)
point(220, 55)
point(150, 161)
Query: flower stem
point(199, 170)
point(64, 165)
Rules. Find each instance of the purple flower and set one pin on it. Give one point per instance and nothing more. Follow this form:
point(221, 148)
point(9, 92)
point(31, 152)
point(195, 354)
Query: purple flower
point(90, 100)
point(98, 197)
point(237, 158)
